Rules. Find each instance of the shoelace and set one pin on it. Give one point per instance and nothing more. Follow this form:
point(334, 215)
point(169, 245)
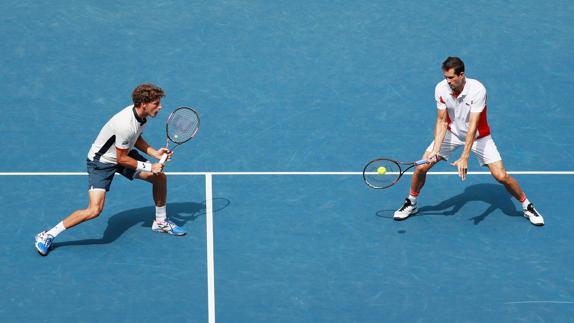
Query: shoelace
point(47, 239)
point(407, 204)
point(166, 225)
point(531, 208)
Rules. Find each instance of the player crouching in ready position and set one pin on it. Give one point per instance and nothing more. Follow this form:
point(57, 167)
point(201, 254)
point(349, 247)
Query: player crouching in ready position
point(461, 121)
point(113, 152)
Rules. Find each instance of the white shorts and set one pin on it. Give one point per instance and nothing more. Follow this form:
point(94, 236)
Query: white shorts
point(484, 148)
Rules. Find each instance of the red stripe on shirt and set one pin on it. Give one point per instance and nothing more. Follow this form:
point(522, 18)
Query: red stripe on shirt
point(482, 127)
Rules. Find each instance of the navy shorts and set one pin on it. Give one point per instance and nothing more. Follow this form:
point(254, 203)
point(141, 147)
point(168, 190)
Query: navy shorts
point(100, 175)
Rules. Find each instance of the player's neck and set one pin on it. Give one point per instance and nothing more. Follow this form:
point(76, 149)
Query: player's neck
point(457, 92)
point(140, 112)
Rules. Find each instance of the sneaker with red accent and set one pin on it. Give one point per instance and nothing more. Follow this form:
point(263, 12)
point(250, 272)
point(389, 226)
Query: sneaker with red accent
point(405, 211)
point(533, 215)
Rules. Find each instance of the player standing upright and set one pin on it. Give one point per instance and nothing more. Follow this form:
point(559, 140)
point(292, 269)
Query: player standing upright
point(461, 122)
point(112, 152)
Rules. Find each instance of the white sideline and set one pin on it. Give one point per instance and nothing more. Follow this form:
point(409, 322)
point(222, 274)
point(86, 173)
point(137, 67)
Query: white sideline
point(209, 235)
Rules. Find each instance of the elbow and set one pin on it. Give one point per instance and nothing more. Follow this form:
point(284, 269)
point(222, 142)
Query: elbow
point(122, 160)
point(443, 124)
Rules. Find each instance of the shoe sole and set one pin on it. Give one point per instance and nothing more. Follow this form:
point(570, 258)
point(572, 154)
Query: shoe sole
point(537, 224)
point(406, 217)
point(40, 252)
point(170, 233)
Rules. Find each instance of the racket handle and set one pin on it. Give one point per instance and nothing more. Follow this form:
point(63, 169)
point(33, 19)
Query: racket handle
point(163, 158)
point(421, 162)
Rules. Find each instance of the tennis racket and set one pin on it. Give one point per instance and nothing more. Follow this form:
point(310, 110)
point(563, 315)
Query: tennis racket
point(182, 125)
point(384, 172)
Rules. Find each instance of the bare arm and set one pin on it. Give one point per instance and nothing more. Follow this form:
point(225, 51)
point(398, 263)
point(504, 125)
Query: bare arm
point(125, 160)
point(142, 145)
point(462, 162)
point(439, 132)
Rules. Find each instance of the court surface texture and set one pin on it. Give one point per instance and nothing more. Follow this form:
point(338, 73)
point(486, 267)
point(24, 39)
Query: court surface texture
point(295, 97)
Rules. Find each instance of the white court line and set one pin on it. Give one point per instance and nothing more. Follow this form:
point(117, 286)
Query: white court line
point(210, 262)
point(283, 173)
point(209, 211)
point(541, 302)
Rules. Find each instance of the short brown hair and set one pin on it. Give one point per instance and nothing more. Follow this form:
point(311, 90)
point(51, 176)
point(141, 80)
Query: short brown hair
point(453, 62)
point(146, 93)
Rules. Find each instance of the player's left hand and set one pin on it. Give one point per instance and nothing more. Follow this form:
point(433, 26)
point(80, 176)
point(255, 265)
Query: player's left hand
point(462, 165)
point(162, 151)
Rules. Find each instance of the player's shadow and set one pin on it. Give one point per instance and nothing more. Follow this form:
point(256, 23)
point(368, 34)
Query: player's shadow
point(118, 224)
point(494, 195)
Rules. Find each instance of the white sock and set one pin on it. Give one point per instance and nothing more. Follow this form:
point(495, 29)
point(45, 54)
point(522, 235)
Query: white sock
point(525, 203)
point(413, 199)
point(59, 228)
point(160, 213)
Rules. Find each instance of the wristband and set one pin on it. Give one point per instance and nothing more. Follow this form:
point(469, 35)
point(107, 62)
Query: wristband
point(144, 166)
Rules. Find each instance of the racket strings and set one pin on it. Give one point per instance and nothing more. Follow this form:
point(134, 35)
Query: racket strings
point(183, 125)
point(382, 173)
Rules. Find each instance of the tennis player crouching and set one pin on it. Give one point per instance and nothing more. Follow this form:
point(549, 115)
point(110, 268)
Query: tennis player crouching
point(461, 122)
point(113, 152)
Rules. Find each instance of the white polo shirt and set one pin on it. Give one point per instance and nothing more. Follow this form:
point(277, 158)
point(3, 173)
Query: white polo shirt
point(471, 99)
point(121, 131)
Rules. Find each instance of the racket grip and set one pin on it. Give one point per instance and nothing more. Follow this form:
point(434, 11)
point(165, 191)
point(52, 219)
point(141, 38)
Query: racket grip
point(163, 158)
point(421, 162)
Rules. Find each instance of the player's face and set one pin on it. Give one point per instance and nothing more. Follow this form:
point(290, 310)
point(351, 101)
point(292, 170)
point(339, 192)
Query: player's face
point(152, 109)
point(456, 82)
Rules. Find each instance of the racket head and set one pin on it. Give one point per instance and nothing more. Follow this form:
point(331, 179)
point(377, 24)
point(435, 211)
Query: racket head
point(182, 125)
point(374, 178)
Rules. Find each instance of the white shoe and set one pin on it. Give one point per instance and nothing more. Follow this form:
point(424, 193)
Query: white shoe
point(43, 242)
point(168, 227)
point(532, 214)
point(405, 211)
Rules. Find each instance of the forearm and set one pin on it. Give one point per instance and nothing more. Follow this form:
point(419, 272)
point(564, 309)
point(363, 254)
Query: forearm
point(441, 127)
point(143, 146)
point(470, 135)
point(127, 161)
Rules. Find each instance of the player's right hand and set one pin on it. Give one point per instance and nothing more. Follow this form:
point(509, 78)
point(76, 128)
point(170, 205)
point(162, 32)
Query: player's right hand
point(433, 157)
point(157, 168)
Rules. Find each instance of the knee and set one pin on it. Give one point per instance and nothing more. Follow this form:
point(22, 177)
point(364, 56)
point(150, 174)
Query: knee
point(422, 169)
point(160, 178)
point(501, 177)
point(93, 212)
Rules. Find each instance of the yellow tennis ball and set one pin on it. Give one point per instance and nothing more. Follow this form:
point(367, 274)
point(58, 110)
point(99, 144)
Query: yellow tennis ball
point(381, 170)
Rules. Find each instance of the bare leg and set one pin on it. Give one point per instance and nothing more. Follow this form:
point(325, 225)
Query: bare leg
point(95, 207)
point(417, 182)
point(420, 175)
point(159, 182)
point(499, 173)
point(511, 185)
point(161, 223)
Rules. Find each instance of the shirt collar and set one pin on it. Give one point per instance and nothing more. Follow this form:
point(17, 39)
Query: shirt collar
point(140, 120)
point(464, 90)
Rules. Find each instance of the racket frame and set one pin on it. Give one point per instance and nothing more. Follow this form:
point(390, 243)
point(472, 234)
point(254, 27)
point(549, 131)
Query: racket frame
point(398, 164)
point(168, 138)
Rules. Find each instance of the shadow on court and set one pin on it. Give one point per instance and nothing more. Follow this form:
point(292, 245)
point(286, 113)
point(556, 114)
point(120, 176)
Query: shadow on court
point(494, 195)
point(179, 213)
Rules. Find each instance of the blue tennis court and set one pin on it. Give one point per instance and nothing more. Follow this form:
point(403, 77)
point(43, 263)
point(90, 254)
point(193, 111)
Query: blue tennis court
point(294, 99)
